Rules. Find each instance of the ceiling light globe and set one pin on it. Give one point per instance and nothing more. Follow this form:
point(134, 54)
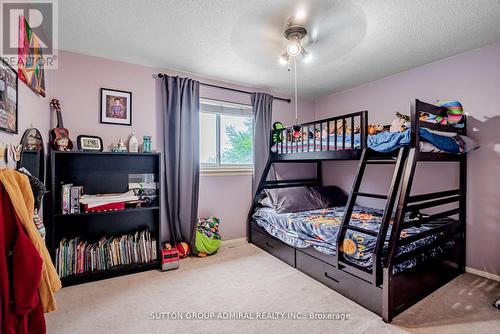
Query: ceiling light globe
point(307, 57)
point(293, 49)
point(300, 14)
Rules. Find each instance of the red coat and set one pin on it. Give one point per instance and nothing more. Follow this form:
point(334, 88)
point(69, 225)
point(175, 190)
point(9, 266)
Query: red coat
point(20, 275)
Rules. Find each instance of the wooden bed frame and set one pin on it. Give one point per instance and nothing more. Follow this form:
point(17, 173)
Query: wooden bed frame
point(378, 289)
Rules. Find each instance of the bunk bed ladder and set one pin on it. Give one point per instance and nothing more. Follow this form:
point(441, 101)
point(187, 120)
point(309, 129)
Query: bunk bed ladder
point(370, 157)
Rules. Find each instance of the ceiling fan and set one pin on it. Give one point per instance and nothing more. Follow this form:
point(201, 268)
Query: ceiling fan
point(295, 33)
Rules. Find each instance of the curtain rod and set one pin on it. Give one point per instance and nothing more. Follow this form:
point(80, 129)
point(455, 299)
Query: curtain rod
point(160, 75)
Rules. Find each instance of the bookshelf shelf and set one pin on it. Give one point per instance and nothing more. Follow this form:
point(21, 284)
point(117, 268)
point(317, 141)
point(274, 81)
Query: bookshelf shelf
point(113, 212)
point(104, 274)
point(99, 173)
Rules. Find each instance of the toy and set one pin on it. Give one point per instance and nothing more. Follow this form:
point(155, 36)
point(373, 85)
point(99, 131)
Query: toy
point(451, 115)
point(454, 113)
point(184, 249)
point(374, 129)
point(169, 257)
point(208, 238)
point(400, 123)
point(277, 136)
point(296, 131)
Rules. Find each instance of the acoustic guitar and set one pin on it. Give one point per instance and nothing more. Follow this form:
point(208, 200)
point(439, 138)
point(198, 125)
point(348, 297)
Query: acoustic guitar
point(59, 136)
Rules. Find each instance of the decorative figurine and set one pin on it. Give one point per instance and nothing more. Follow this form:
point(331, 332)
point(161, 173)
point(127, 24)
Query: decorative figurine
point(121, 146)
point(133, 143)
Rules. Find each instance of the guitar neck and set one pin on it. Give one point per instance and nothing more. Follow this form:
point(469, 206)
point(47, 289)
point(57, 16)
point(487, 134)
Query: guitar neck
point(60, 124)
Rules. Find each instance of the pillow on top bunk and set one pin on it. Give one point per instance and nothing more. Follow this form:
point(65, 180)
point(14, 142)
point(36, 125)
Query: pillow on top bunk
point(293, 199)
point(330, 196)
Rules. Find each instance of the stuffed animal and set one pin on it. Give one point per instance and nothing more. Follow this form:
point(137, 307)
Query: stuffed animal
point(400, 123)
point(374, 129)
point(451, 115)
point(277, 134)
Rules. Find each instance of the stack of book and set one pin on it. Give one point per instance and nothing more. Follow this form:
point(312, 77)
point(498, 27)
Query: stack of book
point(75, 256)
point(106, 202)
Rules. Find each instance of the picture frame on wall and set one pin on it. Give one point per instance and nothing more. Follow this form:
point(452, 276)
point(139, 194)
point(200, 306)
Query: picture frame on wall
point(116, 107)
point(88, 143)
point(9, 85)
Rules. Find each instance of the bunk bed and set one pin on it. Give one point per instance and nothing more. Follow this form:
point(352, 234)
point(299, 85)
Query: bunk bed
point(407, 252)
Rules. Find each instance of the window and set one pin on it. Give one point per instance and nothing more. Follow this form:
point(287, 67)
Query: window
point(226, 136)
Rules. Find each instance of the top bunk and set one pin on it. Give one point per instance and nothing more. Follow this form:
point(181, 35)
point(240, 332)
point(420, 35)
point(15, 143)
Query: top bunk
point(336, 138)
point(344, 137)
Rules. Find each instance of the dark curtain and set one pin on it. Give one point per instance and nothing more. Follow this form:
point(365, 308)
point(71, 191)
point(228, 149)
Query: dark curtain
point(181, 158)
point(262, 115)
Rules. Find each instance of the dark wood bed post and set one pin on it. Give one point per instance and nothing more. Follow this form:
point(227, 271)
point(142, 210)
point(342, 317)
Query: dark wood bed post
point(259, 188)
point(409, 173)
point(462, 216)
point(364, 129)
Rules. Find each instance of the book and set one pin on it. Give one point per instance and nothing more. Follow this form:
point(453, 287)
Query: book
point(105, 207)
point(77, 256)
point(65, 198)
point(75, 193)
point(103, 199)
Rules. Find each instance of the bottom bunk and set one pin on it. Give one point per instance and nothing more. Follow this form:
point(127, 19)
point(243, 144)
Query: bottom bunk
point(306, 240)
point(319, 228)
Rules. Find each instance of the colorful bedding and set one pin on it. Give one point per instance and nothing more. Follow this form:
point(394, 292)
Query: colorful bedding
point(381, 142)
point(319, 229)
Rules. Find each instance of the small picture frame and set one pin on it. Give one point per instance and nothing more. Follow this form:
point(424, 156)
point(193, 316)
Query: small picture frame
point(116, 107)
point(88, 143)
point(9, 84)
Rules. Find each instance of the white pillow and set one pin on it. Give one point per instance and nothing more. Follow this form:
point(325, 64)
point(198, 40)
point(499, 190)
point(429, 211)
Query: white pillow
point(470, 144)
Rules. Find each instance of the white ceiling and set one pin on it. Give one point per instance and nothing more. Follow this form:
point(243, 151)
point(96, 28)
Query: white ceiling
point(240, 40)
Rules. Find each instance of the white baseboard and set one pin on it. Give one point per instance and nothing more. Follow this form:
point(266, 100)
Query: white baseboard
point(482, 274)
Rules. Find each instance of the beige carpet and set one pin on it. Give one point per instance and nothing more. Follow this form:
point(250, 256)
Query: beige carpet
point(243, 278)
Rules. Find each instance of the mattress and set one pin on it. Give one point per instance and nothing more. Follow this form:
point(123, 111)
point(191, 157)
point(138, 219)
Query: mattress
point(319, 229)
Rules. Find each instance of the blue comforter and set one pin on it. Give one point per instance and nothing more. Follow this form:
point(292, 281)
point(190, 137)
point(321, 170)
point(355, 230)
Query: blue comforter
point(389, 141)
point(382, 142)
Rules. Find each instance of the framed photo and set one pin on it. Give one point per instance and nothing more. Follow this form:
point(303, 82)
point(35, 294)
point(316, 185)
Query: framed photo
point(89, 143)
point(116, 107)
point(8, 98)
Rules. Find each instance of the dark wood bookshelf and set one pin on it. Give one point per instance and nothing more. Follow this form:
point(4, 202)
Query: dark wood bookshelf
point(105, 274)
point(110, 212)
point(100, 173)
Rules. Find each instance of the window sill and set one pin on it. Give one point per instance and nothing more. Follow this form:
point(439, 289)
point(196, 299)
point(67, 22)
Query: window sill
point(225, 172)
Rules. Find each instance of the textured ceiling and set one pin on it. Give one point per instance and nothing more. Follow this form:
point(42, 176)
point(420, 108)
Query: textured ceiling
point(355, 41)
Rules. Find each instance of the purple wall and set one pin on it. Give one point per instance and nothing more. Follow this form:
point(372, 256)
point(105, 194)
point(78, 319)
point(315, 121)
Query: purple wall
point(472, 78)
point(77, 83)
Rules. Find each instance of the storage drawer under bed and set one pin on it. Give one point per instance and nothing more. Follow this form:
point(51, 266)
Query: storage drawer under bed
point(274, 246)
point(344, 283)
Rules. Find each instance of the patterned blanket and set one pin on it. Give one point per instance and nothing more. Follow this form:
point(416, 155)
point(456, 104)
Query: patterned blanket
point(319, 229)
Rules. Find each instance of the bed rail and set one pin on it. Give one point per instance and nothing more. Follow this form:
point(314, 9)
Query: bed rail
point(338, 133)
point(419, 107)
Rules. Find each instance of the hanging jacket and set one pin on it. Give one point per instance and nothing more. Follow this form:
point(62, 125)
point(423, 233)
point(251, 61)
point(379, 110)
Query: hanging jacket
point(19, 190)
point(20, 275)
